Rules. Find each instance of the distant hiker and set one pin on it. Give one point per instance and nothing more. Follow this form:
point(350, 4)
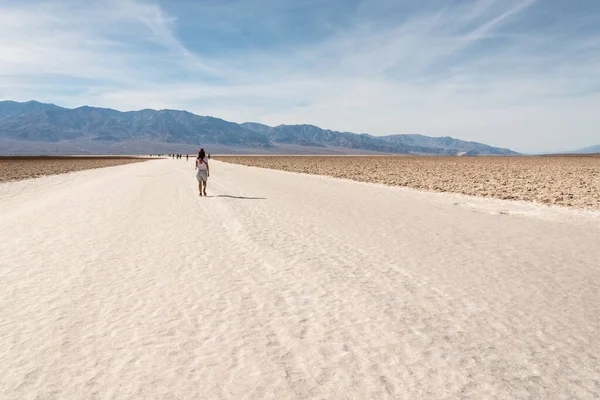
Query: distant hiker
point(202, 172)
point(209, 156)
point(186, 157)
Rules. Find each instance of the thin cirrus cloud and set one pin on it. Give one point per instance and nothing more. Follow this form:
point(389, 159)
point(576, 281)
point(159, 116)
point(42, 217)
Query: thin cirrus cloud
point(514, 73)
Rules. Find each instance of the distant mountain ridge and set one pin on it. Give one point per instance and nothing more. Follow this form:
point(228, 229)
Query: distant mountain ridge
point(38, 122)
point(88, 128)
point(589, 150)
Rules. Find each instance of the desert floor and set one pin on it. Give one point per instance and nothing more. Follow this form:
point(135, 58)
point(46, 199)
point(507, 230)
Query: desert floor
point(17, 168)
point(572, 181)
point(122, 283)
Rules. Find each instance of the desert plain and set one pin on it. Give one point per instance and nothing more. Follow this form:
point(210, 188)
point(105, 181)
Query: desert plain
point(572, 181)
point(26, 167)
point(123, 283)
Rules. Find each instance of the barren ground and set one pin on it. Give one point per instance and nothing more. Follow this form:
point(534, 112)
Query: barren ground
point(122, 283)
point(17, 168)
point(572, 181)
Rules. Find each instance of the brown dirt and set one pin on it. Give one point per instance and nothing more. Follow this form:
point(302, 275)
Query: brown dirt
point(18, 168)
point(572, 181)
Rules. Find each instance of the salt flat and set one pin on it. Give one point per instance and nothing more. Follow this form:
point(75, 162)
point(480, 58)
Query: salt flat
point(121, 283)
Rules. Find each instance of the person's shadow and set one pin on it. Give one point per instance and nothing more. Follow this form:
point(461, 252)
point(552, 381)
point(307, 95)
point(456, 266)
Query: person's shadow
point(239, 197)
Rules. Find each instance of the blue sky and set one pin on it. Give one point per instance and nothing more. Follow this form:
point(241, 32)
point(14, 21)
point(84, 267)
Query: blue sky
point(521, 74)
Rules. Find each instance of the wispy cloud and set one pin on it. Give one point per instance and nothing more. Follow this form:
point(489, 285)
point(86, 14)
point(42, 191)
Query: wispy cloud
point(515, 73)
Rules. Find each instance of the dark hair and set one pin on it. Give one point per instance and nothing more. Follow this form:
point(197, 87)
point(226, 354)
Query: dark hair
point(201, 154)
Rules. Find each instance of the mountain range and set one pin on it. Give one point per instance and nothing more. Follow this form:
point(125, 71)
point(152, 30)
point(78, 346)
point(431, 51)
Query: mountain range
point(589, 150)
point(34, 127)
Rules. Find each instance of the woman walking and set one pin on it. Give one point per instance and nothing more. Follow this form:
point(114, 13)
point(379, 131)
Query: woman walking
point(202, 172)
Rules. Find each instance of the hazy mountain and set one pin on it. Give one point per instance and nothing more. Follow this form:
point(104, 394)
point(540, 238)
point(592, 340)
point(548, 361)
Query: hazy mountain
point(48, 123)
point(589, 150)
point(13, 109)
point(310, 135)
point(27, 126)
point(447, 143)
point(256, 127)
